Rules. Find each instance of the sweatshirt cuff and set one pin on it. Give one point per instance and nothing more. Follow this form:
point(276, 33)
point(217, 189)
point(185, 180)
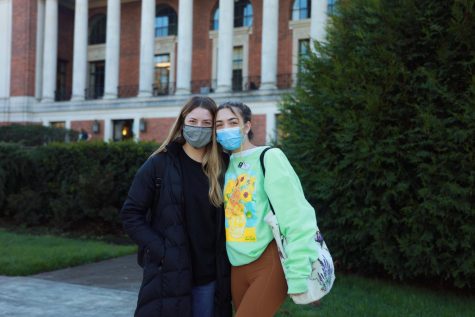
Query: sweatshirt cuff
point(297, 285)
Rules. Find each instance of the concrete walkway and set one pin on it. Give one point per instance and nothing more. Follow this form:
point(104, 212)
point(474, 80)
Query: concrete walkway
point(106, 289)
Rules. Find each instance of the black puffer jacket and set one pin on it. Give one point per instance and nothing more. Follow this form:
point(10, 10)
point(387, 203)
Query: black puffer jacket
point(167, 277)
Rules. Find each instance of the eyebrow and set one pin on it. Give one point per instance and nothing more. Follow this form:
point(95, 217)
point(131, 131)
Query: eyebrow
point(193, 118)
point(230, 119)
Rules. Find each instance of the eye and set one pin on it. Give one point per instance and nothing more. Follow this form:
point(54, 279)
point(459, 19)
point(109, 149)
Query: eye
point(207, 124)
point(191, 122)
point(219, 125)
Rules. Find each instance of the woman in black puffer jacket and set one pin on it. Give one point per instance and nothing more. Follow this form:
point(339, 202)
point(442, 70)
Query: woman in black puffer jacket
point(186, 269)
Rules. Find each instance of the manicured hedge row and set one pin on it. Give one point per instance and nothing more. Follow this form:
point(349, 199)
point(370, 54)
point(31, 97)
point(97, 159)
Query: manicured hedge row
point(76, 187)
point(35, 134)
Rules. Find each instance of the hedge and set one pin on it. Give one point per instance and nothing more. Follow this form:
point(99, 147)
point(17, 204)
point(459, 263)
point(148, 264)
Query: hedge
point(76, 187)
point(385, 113)
point(35, 134)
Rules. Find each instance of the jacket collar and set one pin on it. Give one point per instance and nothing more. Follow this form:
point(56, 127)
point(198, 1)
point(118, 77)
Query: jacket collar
point(174, 148)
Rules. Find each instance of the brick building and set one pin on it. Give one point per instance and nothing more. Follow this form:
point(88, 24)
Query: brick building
point(123, 68)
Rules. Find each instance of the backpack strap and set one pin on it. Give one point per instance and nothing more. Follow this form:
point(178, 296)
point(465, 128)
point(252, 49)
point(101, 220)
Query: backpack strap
point(159, 169)
point(261, 158)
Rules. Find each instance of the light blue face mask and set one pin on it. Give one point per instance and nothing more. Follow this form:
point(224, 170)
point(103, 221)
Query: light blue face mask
point(230, 139)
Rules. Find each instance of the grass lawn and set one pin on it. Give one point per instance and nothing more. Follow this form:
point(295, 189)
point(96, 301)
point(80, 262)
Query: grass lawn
point(23, 254)
point(363, 297)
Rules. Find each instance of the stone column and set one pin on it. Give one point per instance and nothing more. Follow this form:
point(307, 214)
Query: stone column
point(112, 49)
point(50, 50)
point(270, 36)
point(225, 45)
point(147, 48)
point(40, 39)
point(318, 21)
point(80, 50)
point(136, 128)
point(107, 130)
point(6, 18)
point(185, 47)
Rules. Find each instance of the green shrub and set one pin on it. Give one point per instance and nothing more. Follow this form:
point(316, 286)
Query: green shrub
point(386, 115)
point(26, 208)
point(35, 134)
point(16, 171)
point(75, 187)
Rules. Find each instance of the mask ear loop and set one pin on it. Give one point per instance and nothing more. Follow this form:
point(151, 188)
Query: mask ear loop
point(241, 147)
point(244, 136)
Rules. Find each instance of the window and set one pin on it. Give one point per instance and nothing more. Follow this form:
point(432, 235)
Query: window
point(162, 74)
point(165, 21)
point(97, 29)
point(96, 80)
point(331, 7)
point(61, 93)
point(58, 124)
point(301, 9)
point(215, 20)
point(237, 68)
point(304, 46)
point(243, 15)
point(122, 130)
point(304, 51)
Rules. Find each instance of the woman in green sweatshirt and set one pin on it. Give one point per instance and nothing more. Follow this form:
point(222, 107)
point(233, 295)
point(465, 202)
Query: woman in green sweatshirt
point(259, 284)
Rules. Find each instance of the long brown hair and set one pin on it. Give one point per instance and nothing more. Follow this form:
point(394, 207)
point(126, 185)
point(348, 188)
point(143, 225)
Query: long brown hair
point(212, 162)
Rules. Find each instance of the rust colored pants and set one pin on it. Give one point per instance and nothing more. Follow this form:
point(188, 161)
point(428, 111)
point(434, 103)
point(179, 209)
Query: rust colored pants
point(259, 288)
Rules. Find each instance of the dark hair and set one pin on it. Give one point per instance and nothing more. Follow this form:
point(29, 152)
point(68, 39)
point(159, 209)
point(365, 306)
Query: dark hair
point(244, 112)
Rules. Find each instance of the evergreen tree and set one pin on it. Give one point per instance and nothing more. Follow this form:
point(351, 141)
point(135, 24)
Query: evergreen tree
point(381, 130)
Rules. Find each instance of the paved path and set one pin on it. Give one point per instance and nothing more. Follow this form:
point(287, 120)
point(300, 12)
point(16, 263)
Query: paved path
point(106, 289)
point(121, 273)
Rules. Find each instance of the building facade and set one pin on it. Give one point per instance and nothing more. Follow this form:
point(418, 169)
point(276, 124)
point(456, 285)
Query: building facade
point(122, 69)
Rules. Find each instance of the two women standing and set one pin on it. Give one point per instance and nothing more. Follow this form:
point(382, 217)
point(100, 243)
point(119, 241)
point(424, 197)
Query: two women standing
point(186, 266)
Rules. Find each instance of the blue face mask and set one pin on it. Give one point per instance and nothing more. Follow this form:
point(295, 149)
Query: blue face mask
point(230, 139)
